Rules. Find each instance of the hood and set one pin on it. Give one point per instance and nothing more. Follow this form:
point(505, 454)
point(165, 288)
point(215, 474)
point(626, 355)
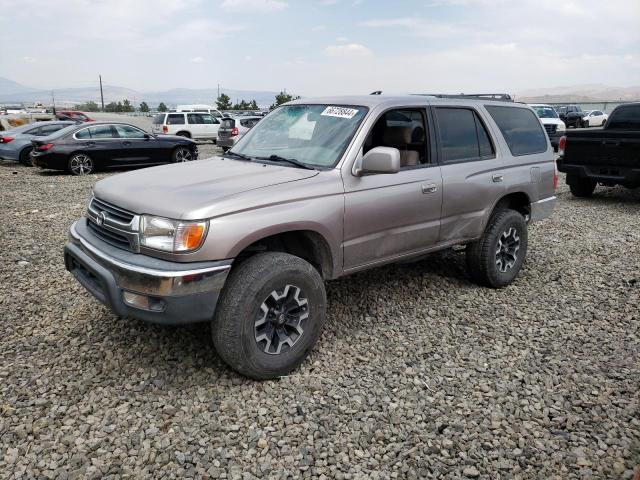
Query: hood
point(181, 190)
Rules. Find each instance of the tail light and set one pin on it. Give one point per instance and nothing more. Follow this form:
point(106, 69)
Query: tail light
point(165, 129)
point(561, 145)
point(6, 139)
point(555, 176)
point(45, 147)
point(234, 131)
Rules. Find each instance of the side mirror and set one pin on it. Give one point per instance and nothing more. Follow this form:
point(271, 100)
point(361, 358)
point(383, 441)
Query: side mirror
point(147, 136)
point(380, 160)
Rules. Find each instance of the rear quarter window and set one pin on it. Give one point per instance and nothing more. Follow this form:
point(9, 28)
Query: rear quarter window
point(520, 128)
point(175, 119)
point(158, 119)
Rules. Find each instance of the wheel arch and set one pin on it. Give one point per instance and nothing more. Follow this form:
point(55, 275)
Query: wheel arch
point(518, 201)
point(308, 244)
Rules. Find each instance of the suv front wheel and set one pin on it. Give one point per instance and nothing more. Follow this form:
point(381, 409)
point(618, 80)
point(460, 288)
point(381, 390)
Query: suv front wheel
point(270, 315)
point(497, 257)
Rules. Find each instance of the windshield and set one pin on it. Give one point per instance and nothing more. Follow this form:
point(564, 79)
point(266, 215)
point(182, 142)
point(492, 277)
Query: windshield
point(316, 135)
point(545, 112)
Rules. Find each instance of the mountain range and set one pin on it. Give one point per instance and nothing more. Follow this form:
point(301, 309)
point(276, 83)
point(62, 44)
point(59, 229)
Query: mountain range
point(14, 92)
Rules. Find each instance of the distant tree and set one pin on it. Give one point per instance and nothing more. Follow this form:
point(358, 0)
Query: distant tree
point(88, 107)
point(162, 107)
point(253, 105)
point(283, 97)
point(126, 106)
point(144, 107)
point(111, 107)
point(223, 102)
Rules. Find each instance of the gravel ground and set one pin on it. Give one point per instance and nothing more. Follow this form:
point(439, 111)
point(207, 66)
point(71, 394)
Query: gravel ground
point(419, 373)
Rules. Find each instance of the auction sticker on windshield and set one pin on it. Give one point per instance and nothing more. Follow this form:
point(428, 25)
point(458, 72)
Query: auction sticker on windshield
point(339, 112)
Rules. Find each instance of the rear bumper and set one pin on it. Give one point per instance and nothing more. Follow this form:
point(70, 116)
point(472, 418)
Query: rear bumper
point(177, 293)
point(226, 142)
point(606, 174)
point(542, 208)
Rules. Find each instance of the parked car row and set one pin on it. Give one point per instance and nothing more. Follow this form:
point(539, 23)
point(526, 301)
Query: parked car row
point(15, 144)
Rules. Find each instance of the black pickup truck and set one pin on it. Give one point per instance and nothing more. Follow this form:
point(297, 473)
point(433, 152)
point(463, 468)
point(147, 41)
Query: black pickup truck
point(608, 156)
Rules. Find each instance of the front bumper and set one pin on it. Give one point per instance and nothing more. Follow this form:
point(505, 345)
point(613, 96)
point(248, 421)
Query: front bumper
point(542, 208)
point(179, 292)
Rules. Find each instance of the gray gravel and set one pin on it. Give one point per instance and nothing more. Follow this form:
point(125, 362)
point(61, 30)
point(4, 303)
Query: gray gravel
point(419, 373)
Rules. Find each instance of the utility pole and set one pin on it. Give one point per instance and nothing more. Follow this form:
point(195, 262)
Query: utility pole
point(218, 90)
point(53, 99)
point(101, 94)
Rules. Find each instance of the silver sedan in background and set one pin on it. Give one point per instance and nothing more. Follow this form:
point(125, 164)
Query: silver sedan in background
point(15, 144)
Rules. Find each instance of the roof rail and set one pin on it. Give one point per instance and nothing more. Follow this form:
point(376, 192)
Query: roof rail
point(503, 97)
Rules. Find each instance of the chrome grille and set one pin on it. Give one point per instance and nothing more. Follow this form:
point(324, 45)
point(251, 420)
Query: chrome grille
point(114, 225)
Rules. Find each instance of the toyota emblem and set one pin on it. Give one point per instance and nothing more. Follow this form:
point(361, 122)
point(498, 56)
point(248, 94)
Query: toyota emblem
point(100, 218)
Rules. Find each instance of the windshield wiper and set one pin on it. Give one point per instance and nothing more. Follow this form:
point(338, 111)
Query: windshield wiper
point(292, 161)
point(229, 153)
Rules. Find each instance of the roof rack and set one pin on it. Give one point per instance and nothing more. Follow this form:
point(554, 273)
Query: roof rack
point(502, 97)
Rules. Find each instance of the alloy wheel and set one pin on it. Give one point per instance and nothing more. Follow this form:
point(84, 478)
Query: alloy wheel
point(280, 320)
point(183, 155)
point(507, 250)
point(81, 164)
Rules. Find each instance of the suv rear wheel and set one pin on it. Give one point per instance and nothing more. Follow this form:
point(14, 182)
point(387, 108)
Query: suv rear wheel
point(269, 315)
point(581, 187)
point(496, 259)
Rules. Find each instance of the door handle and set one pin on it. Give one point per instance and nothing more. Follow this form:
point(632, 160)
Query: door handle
point(497, 178)
point(126, 143)
point(429, 188)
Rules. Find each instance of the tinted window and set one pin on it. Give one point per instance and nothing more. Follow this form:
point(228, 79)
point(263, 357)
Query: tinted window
point(127, 131)
point(625, 118)
point(484, 142)
point(521, 129)
point(33, 131)
point(84, 133)
point(49, 129)
point(458, 137)
point(175, 119)
point(249, 122)
point(101, 131)
point(158, 119)
point(80, 116)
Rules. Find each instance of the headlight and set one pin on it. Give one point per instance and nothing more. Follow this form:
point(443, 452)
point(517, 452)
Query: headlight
point(561, 127)
point(171, 235)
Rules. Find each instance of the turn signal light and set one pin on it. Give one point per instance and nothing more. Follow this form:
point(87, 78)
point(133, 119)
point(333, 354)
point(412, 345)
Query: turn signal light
point(190, 236)
point(6, 139)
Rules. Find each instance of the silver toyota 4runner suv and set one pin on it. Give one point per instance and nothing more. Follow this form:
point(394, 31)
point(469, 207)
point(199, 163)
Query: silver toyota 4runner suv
point(318, 189)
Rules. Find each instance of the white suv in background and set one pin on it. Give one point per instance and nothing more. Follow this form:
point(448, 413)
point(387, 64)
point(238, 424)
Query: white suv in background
point(198, 126)
point(551, 122)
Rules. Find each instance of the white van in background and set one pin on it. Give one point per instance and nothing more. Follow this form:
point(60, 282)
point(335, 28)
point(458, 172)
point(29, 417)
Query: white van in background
point(199, 109)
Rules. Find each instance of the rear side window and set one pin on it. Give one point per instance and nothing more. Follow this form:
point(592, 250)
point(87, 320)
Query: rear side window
point(249, 122)
point(84, 133)
point(158, 119)
point(49, 129)
point(101, 131)
point(625, 118)
point(175, 119)
point(463, 136)
point(521, 129)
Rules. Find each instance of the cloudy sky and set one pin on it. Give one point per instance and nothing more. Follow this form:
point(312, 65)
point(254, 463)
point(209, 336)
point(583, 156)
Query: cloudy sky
point(314, 47)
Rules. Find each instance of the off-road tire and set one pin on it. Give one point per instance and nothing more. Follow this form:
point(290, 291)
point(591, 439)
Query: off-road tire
point(25, 157)
point(481, 256)
point(239, 305)
point(581, 187)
